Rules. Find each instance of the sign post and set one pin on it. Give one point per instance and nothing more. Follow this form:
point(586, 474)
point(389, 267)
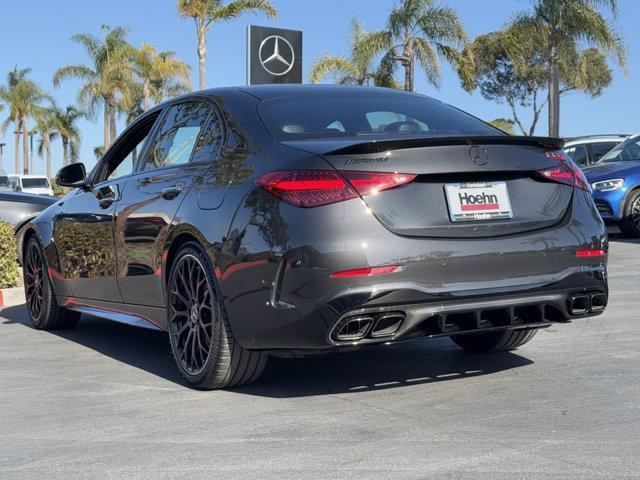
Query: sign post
point(274, 55)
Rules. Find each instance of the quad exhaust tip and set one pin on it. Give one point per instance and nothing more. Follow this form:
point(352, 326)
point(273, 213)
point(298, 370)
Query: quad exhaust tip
point(589, 302)
point(356, 328)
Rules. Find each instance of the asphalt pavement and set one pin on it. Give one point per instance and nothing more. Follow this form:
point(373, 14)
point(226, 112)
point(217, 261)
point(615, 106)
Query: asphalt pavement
point(104, 401)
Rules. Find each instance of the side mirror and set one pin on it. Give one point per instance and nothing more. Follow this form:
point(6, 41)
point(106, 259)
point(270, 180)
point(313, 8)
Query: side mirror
point(73, 175)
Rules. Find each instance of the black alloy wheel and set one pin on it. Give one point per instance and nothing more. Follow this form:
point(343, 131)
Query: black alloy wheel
point(202, 342)
point(191, 314)
point(34, 280)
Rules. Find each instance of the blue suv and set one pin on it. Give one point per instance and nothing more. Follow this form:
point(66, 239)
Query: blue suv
point(615, 182)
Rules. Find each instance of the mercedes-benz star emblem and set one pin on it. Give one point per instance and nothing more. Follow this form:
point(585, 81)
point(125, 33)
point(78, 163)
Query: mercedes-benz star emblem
point(276, 55)
point(478, 155)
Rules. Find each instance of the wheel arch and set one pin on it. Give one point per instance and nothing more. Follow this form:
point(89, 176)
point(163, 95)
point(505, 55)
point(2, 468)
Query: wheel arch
point(180, 236)
point(627, 196)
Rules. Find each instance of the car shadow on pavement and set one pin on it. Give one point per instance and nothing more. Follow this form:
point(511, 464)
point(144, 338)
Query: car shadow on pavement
point(371, 368)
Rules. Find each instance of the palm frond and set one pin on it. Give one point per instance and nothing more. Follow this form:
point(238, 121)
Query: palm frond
point(237, 8)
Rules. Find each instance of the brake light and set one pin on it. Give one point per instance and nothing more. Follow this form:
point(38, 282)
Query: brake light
point(313, 188)
point(365, 272)
point(566, 172)
point(367, 183)
point(591, 253)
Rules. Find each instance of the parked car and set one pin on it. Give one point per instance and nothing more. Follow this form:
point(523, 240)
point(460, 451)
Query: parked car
point(615, 182)
point(17, 207)
point(242, 225)
point(36, 184)
point(590, 149)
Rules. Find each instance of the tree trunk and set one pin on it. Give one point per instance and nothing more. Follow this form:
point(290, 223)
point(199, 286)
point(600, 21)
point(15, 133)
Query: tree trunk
point(25, 145)
point(106, 120)
point(146, 91)
point(47, 148)
point(554, 96)
point(16, 124)
point(112, 125)
point(202, 57)
point(65, 151)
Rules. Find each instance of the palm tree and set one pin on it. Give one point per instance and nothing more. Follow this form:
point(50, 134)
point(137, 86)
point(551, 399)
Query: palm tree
point(64, 122)
point(45, 127)
point(159, 70)
point(556, 27)
point(23, 99)
point(7, 95)
point(355, 69)
point(418, 30)
point(207, 12)
point(107, 80)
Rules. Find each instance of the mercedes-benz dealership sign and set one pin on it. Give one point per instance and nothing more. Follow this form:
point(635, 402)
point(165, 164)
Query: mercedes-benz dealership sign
point(274, 55)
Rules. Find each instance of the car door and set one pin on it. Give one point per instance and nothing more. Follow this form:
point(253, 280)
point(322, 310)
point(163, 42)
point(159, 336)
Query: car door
point(84, 233)
point(152, 196)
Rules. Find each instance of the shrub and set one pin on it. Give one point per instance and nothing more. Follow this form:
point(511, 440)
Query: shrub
point(9, 270)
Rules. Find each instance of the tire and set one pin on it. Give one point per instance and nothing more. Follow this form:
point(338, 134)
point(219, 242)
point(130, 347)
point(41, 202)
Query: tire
point(630, 224)
point(195, 313)
point(493, 341)
point(42, 308)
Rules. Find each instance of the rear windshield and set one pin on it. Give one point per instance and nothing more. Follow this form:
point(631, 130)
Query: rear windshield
point(35, 183)
point(349, 115)
point(628, 151)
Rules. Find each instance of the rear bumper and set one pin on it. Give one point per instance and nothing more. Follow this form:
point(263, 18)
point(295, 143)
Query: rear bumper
point(421, 314)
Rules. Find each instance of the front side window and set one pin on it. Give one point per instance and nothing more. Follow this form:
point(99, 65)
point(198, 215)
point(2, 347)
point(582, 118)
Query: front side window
point(120, 160)
point(628, 151)
point(177, 135)
point(355, 115)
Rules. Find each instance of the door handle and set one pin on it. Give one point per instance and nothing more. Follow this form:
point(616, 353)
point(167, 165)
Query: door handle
point(172, 192)
point(106, 202)
point(107, 196)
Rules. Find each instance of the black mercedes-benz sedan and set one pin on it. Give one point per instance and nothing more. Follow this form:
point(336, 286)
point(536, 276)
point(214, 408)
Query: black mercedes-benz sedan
point(295, 219)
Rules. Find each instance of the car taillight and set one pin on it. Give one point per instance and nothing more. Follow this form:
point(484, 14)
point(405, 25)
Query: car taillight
point(313, 188)
point(566, 172)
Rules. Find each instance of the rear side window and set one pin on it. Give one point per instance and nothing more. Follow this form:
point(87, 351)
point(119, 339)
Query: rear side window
point(177, 135)
point(352, 115)
point(210, 142)
point(599, 149)
point(578, 154)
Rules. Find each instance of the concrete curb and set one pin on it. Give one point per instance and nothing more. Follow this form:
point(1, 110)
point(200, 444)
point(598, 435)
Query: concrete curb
point(11, 296)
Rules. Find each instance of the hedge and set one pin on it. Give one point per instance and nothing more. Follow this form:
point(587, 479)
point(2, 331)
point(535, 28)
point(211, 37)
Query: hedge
point(9, 270)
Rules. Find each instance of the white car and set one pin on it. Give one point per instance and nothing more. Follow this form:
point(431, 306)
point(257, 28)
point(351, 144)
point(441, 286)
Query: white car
point(588, 150)
point(37, 184)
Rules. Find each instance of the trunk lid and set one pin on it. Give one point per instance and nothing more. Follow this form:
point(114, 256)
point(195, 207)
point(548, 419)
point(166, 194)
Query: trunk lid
point(423, 208)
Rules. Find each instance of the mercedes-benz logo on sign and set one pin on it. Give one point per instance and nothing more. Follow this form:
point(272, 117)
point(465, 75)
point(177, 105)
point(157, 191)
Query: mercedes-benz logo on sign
point(276, 55)
point(478, 155)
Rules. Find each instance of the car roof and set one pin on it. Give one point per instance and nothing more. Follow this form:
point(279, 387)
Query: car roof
point(26, 176)
point(264, 92)
point(614, 137)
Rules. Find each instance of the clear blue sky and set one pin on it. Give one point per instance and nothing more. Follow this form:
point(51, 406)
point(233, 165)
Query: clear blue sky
point(36, 34)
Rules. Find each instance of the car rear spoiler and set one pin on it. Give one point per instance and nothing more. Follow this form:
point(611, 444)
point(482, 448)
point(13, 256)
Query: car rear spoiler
point(398, 144)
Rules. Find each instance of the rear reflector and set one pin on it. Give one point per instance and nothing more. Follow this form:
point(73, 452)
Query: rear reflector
point(591, 253)
point(366, 272)
point(566, 172)
point(313, 188)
